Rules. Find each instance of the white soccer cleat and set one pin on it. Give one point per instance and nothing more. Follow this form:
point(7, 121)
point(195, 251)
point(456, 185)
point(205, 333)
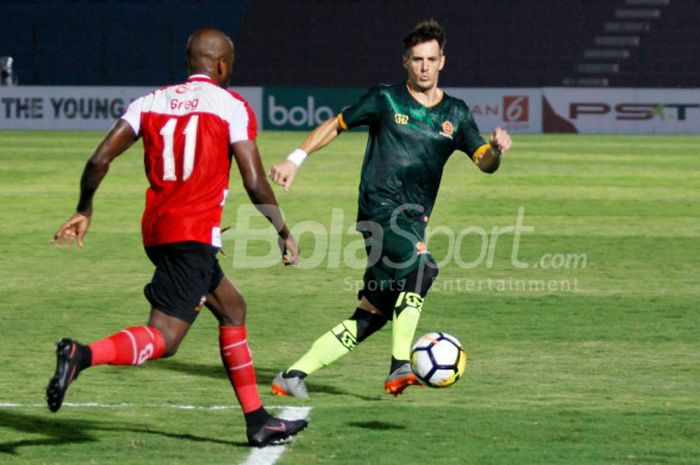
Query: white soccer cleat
point(292, 387)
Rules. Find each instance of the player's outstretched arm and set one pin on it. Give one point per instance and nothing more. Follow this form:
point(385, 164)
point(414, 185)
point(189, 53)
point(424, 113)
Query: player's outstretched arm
point(114, 144)
point(260, 193)
point(283, 173)
point(499, 143)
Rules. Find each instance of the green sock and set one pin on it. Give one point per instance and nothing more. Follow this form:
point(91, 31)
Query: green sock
point(406, 315)
point(328, 348)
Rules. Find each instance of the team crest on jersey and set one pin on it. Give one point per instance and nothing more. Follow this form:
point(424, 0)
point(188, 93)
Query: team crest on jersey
point(447, 129)
point(400, 119)
point(187, 87)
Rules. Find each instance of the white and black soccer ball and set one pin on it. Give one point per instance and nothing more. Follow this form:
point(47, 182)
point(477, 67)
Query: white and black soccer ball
point(438, 359)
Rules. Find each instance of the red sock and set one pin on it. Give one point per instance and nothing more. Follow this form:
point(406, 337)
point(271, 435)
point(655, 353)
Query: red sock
point(239, 364)
point(131, 346)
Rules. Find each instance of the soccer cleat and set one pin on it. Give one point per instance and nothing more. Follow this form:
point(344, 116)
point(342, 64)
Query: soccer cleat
point(67, 370)
point(275, 431)
point(400, 379)
point(293, 387)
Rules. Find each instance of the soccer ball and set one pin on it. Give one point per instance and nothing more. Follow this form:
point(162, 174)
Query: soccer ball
point(438, 359)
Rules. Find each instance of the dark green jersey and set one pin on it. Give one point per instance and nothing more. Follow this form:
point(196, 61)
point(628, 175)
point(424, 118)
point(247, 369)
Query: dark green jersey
point(407, 148)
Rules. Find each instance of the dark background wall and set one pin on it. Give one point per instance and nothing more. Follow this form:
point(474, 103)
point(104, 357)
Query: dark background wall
point(101, 42)
point(490, 43)
point(342, 42)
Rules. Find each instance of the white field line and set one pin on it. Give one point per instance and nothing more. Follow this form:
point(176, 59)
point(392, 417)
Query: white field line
point(264, 456)
point(125, 405)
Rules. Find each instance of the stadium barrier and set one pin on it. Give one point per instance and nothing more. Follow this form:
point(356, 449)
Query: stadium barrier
point(520, 110)
point(621, 110)
point(77, 108)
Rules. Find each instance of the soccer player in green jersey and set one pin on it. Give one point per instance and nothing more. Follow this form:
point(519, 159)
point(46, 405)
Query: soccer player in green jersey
point(414, 127)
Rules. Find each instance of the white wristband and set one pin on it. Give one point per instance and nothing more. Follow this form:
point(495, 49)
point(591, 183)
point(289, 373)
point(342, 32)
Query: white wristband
point(297, 157)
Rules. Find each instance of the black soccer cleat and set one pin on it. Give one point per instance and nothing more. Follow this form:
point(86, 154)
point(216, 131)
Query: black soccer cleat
point(67, 369)
point(275, 431)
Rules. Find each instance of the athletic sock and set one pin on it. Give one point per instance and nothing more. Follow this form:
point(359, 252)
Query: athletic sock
point(406, 315)
point(238, 362)
point(396, 364)
point(328, 348)
point(131, 346)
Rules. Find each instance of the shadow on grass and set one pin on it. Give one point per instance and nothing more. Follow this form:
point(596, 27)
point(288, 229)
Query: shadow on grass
point(60, 431)
point(216, 371)
point(264, 377)
point(376, 425)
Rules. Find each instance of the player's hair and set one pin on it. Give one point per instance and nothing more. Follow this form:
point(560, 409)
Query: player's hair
point(425, 31)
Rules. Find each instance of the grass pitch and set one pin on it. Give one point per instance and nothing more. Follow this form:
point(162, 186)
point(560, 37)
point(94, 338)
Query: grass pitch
point(584, 349)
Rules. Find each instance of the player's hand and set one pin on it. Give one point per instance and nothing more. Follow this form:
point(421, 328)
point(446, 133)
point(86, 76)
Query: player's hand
point(283, 173)
point(500, 140)
point(72, 230)
point(290, 250)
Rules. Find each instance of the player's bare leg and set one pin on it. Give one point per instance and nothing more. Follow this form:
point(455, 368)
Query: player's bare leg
point(130, 346)
point(229, 307)
point(172, 329)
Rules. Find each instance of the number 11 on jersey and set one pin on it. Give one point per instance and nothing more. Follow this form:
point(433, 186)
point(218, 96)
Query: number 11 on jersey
point(168, 133)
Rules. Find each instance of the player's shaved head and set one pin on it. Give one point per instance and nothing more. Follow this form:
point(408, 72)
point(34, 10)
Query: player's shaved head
point(210, 52)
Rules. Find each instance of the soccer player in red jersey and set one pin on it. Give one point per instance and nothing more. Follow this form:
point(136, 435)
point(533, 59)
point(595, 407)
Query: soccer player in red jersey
point(189, 132)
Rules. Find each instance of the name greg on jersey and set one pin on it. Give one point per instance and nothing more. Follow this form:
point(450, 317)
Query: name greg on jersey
point(188, 104)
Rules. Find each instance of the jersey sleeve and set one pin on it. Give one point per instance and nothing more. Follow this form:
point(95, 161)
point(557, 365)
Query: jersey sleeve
point(469, 138)
point(132, 115)
point(363, 112)
point(243, 124)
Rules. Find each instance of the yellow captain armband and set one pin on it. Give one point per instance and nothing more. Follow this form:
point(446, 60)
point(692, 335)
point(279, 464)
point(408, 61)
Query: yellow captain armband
point(480, 152)
point(341, 122)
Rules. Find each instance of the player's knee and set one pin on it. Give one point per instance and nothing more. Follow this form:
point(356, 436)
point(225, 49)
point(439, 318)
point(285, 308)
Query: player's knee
point(421, 280)
point(367, 323)
point(170, 350)
point(172, 344)
point(429, 272)
point(172, 329)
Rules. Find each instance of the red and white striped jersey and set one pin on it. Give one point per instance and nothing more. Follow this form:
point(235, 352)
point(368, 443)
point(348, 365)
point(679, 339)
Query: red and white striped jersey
point(187, 132)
